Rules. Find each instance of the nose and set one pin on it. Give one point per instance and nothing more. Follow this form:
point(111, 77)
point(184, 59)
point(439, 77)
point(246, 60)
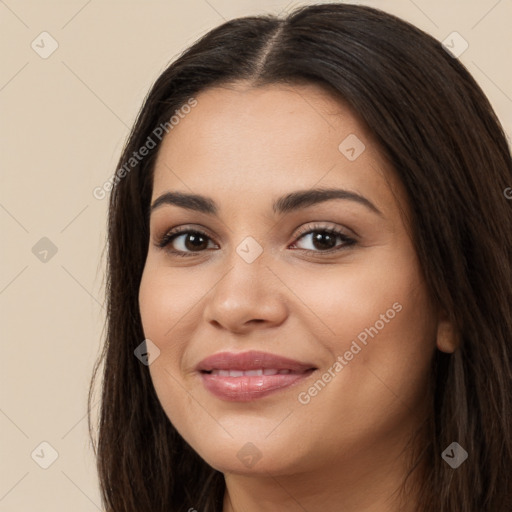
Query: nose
point(247, 297)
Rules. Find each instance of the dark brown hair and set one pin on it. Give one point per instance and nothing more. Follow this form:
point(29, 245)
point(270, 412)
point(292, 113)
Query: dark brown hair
point(438, 130)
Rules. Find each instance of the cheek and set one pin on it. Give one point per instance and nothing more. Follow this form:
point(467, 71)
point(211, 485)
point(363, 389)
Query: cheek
point(171, 304)
point(383, 286)
point(379, 319)
point(384, 334)
point(155, 304)
point(167, 300)
point(166, 311)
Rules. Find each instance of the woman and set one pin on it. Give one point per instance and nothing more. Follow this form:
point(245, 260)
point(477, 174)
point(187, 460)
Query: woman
point(310, 258)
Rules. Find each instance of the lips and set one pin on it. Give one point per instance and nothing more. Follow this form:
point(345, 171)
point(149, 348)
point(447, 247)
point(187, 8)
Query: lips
point(252, 360)
point(250, 375)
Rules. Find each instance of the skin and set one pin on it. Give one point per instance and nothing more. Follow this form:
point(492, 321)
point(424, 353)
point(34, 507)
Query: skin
point(346, 448)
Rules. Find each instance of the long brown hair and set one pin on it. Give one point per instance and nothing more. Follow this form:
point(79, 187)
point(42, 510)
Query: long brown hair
point(446, 145)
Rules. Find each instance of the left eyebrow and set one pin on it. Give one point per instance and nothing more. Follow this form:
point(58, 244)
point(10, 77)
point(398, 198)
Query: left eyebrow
point(304, 198)
point(285, 204)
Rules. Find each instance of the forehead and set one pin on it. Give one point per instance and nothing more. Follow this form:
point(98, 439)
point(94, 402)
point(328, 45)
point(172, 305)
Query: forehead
point(254, 143)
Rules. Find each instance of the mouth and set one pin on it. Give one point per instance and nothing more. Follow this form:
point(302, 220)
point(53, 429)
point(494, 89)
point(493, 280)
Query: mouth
point(250, 375)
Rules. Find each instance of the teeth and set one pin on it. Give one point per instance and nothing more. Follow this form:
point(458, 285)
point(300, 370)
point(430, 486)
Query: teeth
point(249, 373)
point(253, 373)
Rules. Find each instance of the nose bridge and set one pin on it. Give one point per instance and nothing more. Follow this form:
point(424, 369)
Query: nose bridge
point(250, 251)
point(246, 271)
point(247, 289)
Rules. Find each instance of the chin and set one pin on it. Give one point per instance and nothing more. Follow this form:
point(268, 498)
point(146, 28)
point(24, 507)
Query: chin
point(256, 457)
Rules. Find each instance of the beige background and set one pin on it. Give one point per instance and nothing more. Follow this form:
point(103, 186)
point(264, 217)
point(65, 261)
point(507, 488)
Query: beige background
point(63, 123)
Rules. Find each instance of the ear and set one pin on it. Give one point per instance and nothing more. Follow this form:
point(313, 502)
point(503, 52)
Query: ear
point(447, 339)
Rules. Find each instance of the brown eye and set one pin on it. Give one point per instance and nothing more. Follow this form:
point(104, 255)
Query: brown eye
point(322, 239)
point(185, 242)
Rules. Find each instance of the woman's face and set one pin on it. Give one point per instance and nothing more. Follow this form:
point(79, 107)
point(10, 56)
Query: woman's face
point(331, 282)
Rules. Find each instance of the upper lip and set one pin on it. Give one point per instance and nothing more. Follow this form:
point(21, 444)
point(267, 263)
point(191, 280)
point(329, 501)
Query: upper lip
point(252, 360)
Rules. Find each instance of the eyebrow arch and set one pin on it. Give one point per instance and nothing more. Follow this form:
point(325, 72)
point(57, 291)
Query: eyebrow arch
point(285, 204)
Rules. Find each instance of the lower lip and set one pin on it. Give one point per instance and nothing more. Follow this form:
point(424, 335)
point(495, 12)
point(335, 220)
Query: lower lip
point(246, 388)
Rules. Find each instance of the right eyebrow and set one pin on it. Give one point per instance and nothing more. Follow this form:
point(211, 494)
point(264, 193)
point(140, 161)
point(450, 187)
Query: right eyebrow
point(189, 201)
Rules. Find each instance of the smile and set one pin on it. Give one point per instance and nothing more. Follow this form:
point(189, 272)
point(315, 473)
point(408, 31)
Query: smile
point(250, 375)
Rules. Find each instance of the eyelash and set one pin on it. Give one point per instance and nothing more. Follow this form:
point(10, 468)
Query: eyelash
point(167, 238)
